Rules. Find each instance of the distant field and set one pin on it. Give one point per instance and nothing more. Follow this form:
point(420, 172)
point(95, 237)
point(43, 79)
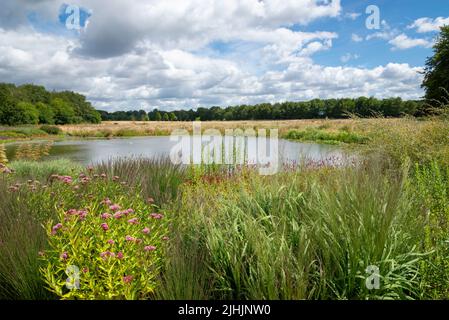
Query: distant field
point(133, 128)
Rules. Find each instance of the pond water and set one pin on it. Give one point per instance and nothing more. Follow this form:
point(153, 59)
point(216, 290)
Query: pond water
point(90, 151)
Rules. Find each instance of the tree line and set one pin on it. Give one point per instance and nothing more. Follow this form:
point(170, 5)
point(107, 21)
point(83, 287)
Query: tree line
point(32, 104)
point(314, 109)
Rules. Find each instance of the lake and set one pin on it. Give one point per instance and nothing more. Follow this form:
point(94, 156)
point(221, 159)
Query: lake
point(90, 151)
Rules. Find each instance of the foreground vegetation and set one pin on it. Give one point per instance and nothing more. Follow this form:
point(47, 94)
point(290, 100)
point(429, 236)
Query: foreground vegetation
point(147, 229)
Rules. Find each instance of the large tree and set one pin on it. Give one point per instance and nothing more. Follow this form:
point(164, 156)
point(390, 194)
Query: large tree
point(436, 79)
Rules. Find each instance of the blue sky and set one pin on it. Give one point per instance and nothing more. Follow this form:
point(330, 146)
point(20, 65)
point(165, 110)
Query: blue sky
point(397, 13)
point(169, 54)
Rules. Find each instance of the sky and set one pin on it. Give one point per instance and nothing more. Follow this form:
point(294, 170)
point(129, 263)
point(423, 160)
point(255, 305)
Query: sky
point(182, 54)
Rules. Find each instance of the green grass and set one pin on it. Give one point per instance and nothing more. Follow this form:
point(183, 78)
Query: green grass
point(41, 170)
point(309, 233)
point(321, 136)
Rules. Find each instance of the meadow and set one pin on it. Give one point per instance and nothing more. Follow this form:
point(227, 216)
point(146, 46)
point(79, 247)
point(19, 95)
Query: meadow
point(148, 229)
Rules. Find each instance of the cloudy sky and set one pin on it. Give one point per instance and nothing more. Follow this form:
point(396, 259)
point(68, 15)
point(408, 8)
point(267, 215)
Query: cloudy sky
point(173, 54)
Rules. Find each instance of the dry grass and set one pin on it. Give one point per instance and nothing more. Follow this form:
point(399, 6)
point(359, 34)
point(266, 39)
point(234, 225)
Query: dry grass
point(134, 128)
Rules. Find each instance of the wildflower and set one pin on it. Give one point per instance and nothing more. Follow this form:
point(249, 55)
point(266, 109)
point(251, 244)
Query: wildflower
point(127, 279)
point(156, 216)
point(107, 254)
point(115, 178)
point(150, 200)
point(133, 221)
point(110, 241)
point(146, 230)
point(118, 215)
point(76, 187)
point(90, 168)
point(105, 216)
point(85, 180)
point(120, 255)
point(105, 226)
point(82, 215)
point(72, 212)
point(64, 256)
point(114, 207)
point(106, 202)
point(85, 270)
point(139, 241)
point(129, 211)
point(41, 254)
point(56, 228)
point(129, 238)
point(165, 238)
point(103, 175)
point(149, 248)
point(13, 189)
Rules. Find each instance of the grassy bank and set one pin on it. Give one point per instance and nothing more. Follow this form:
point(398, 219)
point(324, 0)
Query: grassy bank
point(312, 232)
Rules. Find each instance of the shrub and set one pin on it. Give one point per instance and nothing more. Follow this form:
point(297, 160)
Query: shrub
point(118, 252)
point(51, 129)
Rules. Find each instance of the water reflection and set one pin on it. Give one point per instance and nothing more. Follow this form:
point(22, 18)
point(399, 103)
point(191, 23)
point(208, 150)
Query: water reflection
point(94, 151)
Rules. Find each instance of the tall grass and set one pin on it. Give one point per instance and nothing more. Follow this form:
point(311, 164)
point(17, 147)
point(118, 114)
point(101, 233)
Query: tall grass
point(310, 235)
point(42, 170)
point(158, 178)
point(21, 238)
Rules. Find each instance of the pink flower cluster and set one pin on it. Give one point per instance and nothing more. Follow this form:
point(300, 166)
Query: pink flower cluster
point(55, 228)
point(156, 215)
point(65, 179)
point(133, 221)
point(106, 201)
point(82, 214)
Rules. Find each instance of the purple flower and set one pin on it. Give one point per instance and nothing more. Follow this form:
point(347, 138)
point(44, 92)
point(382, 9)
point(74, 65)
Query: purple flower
point(106, 202)
point(127, 279)
point(146, 230)
point(118, 215)
point(85, 270)
point(82, 215)
point(107, 254)
point(129, 211)
point(110, 241)
point(64, 256)
point(156, 216)
point(129, 238)
point(55, 228)
point(120, 255)
point(105, 226)
point(105, 216)
point(114, 207)
point(133, 221)
point(165, 238)
point(149, 248)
